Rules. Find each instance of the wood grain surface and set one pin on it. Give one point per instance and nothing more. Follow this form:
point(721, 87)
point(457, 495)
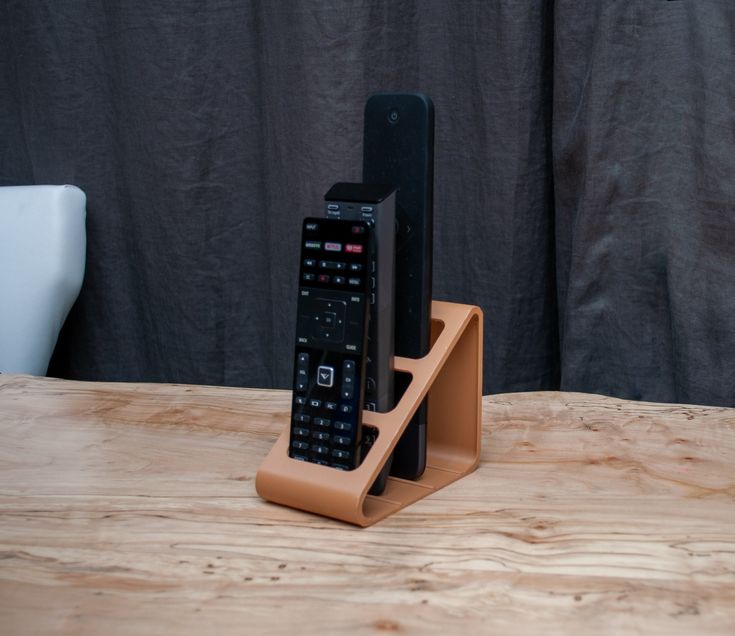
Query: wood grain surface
point(131, 508)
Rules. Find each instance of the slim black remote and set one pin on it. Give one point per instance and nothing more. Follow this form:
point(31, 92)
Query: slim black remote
point(398, 149)
point(331, 342)
point(374, 204)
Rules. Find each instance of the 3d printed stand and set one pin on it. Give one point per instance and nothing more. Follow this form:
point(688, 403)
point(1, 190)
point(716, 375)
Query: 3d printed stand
point(451, 375)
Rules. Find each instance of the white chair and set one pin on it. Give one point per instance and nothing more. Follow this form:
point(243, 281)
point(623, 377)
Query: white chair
point(42, 255)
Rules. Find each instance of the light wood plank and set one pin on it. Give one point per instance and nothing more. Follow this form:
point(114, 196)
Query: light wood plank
point(131, 508)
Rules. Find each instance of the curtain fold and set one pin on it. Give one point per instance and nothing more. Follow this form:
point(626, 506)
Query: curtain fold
point(644, 167)
point(584, 177)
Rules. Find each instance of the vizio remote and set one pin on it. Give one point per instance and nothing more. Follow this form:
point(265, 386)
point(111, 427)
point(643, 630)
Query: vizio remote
point(376, 205)
point(331, 342)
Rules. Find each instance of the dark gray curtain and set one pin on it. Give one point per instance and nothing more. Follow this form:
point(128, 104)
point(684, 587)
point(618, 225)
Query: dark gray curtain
point(644, 165)
point(584, 178)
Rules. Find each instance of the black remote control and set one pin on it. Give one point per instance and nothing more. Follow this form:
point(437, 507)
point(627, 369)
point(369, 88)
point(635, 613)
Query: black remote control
point(331, 342)
point(374, 204)
point(398, 149)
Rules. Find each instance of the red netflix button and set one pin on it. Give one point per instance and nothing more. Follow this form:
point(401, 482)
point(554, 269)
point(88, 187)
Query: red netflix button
point(354, 249)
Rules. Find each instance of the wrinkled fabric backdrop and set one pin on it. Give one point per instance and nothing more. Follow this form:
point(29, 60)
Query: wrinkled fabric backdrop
point(584, 177)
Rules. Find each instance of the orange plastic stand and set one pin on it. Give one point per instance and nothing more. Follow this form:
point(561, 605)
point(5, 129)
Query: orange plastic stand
point(451, 375)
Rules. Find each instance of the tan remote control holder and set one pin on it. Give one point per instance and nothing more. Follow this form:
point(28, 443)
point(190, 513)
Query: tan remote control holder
point(451, 375)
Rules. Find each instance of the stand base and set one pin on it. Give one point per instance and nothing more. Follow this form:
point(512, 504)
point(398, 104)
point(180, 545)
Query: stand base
point(451, 375)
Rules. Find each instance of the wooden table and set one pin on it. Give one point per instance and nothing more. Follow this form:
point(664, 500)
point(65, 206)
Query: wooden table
point(131, 508)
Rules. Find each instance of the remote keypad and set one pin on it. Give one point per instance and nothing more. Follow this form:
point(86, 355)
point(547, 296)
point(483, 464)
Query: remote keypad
point(331, 342)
